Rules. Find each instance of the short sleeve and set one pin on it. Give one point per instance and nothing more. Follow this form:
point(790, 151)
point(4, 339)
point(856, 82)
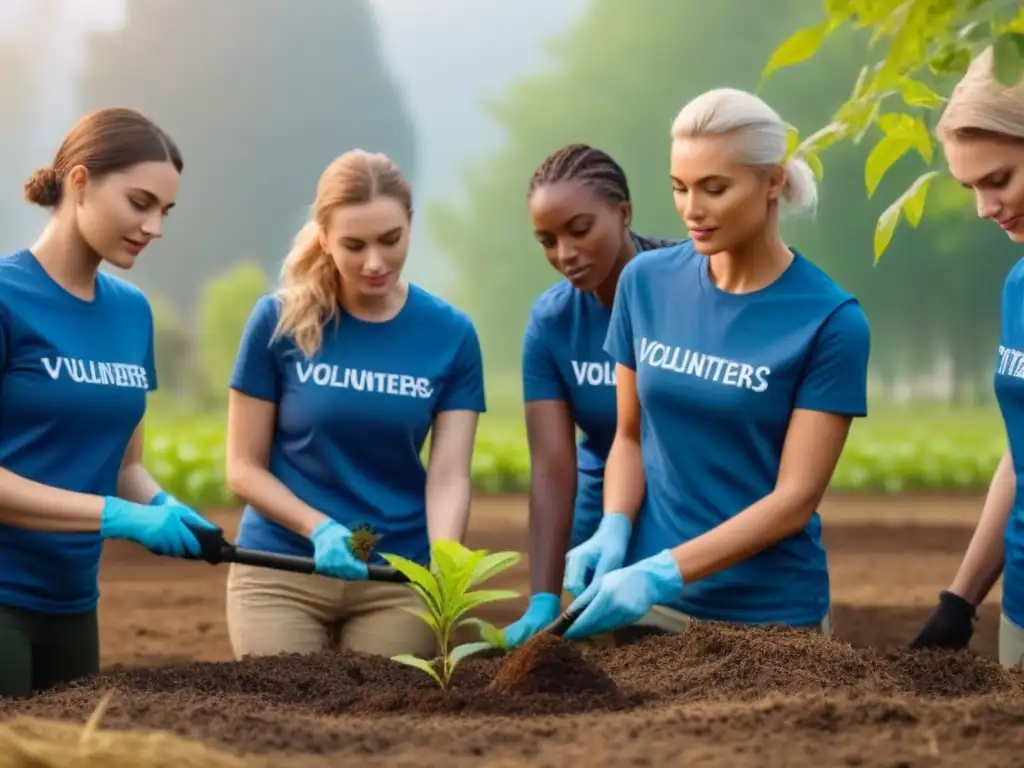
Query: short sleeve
point(256, 372)
point(464, 388)
point(835, 379)
point(149, 363)
point(541, 380)
point(618, 342)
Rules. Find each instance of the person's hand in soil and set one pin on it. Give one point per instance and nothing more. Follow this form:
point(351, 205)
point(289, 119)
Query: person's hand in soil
point(625, 596)
point(543, 609)
point(603, 552)
point(164, 529)
point(950, 625)
point(332, 555)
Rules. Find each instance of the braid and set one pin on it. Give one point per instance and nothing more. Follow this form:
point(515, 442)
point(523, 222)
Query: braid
point(583, 164)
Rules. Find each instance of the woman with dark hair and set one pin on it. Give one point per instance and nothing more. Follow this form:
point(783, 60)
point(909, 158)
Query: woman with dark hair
point(76, 362)
point(580, 206)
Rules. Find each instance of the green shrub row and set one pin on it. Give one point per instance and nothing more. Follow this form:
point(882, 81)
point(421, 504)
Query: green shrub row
point(919, 451)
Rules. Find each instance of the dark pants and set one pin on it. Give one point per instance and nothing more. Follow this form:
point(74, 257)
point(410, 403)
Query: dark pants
point(41, 650)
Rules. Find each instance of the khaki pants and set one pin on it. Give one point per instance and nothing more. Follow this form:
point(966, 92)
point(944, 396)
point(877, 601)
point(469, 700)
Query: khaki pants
point(1011, 643)
point(271, 612)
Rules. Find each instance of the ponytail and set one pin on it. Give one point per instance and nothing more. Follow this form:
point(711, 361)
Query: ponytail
point(308, 293)
point(800, 193)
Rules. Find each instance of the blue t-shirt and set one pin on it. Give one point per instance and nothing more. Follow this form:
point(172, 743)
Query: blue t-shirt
point(73, 381)
point(718, 377)
point(352, 421)
point(1009, 388)
point(564, 359)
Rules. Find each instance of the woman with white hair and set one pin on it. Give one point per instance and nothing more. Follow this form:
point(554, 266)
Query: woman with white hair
point(740, 366)
point(982, 135)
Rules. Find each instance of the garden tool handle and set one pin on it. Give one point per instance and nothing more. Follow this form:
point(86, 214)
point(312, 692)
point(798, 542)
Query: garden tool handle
point(561, 625)
point(216, 550)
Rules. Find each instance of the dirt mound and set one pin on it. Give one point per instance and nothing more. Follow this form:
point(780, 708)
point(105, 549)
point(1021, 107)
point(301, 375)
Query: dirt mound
point(715, 661)
point(550, 665)
point(743, 696)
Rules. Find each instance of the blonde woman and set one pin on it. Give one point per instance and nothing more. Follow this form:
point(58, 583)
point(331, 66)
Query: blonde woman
point(740, 366)
point(982, 135)
point(340, 376)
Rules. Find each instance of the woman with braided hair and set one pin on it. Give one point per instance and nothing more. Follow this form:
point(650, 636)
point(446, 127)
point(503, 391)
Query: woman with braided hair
point(579, 202)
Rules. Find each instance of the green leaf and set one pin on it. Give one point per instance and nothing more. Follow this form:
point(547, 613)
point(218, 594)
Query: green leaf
point(424, 616)
point(816, 166)
point(488, 632)
point(416, 574)
point(950, 59)
point(917, 94)
point(886, 227)
point(493, 564)
point(1008, 58)
point(883, 156)
point(413, 661)
point(464, 651)
point(913, 199)
point(472, 600)
point(822, 139)
point(799, 47)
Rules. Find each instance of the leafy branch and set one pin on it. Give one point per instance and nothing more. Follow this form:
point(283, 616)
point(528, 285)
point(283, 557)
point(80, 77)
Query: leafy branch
point(922, 43)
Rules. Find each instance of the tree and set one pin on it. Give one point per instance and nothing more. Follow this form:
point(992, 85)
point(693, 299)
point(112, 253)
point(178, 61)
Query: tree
point(260, 95)
point(925, 44)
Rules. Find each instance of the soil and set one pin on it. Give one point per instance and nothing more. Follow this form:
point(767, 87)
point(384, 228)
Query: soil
point(715, 696)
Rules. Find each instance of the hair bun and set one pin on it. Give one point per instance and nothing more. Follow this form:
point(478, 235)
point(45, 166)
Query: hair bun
point(43, 188)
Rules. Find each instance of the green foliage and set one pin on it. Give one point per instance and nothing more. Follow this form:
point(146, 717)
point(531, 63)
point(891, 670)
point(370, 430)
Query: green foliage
point(186, 457)
point(894, 450)
point(446, 590)
point(227, 301)
point(925, 44)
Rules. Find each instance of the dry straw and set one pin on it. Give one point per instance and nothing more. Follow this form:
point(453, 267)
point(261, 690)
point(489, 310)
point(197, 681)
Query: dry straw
point(28, 742)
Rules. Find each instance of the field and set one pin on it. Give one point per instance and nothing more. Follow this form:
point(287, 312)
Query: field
point(712, 697)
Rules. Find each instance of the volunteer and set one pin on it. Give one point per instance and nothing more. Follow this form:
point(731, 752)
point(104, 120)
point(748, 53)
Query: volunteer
point(739, 368)
point(982, 135)
point(76, 364)
point(579, 202)
point(340, 376)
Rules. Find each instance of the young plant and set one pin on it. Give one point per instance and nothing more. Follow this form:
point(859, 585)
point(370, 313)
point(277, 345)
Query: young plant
point(446, 590)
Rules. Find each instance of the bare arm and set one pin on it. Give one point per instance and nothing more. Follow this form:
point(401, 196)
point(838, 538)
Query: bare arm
point(250, 432)
point(37, 507)
point(983, 561)
point(551, 435)
point(813, 445)
point(449, 483)
point(134, 482)
point(624, 477)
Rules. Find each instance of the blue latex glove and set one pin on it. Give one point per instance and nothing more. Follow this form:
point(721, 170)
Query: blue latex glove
point(624, 596)
point(543, 609)
point(332, 555)
point(163, 530)
point(603, 552)
point(162, 498)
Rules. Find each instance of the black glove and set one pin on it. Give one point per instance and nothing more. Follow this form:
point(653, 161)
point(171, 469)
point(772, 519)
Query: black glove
point(950, 626)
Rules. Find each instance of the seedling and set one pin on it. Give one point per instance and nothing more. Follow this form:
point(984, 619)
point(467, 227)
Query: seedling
point(447, 595)
point(363, 541)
